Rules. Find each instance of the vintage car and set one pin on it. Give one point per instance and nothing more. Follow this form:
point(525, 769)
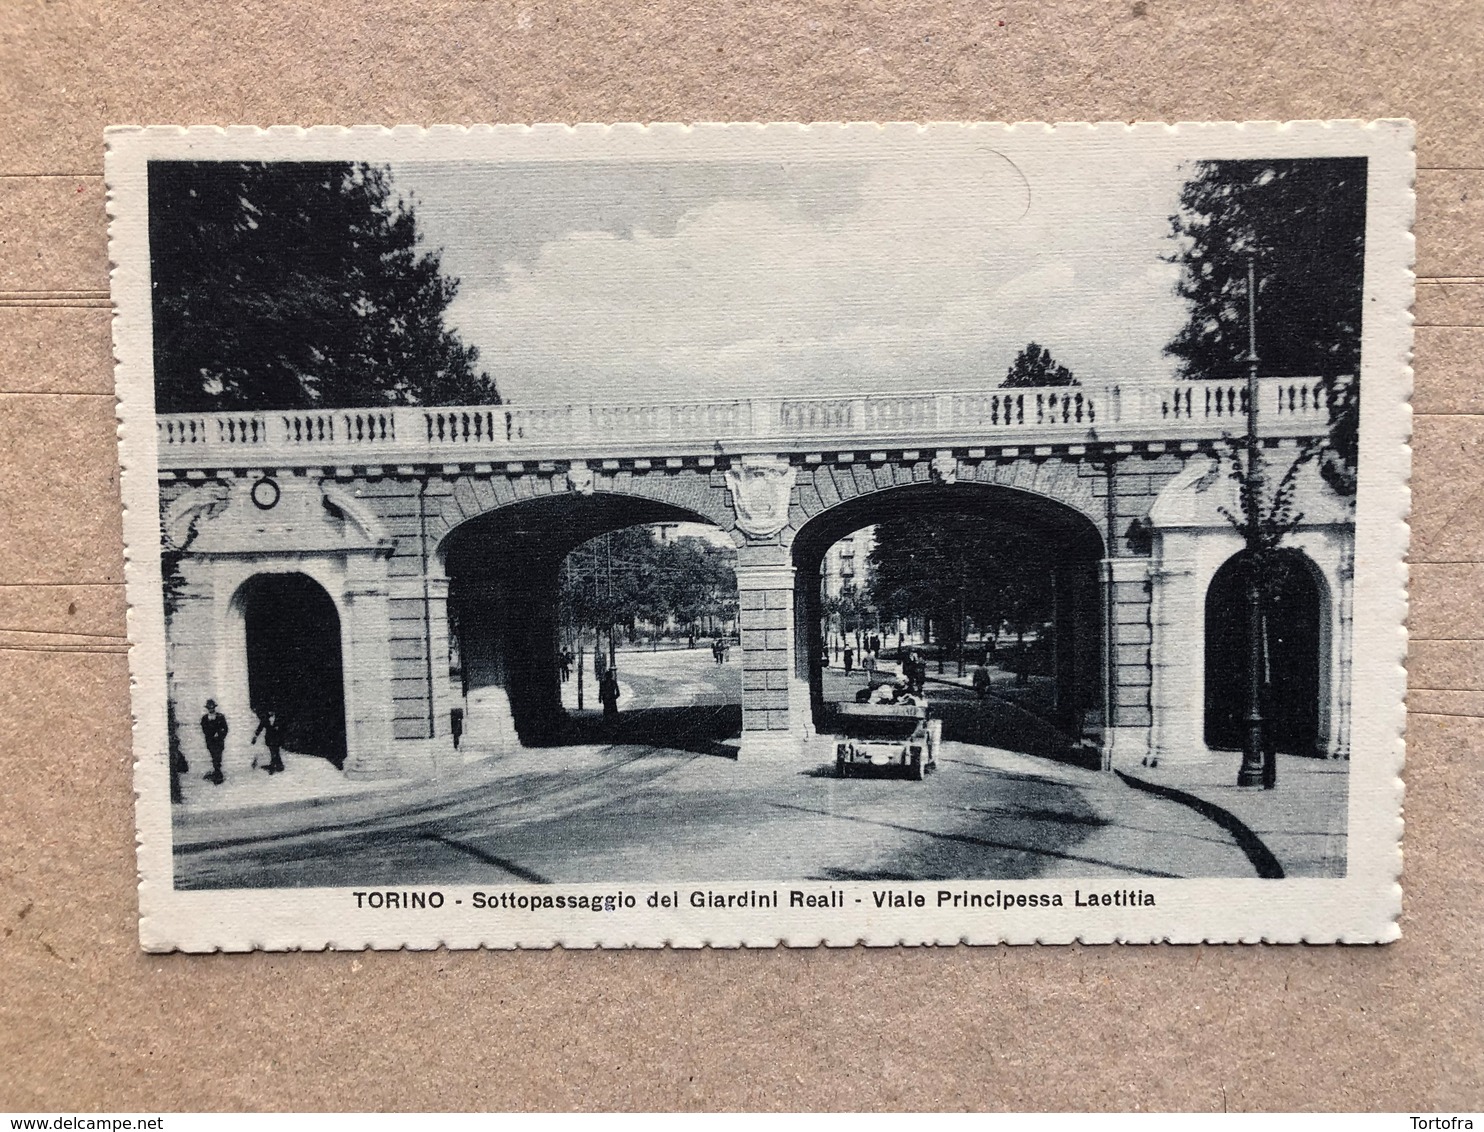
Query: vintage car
point(887, 736)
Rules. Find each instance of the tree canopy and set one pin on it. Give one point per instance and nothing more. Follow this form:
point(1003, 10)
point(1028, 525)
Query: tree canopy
point(952, 565)
point(630, 577)
point(1302, 223)
point(298, 285)
point(1033, 367)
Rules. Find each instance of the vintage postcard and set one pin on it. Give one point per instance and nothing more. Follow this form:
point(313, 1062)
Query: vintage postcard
point(738, 535)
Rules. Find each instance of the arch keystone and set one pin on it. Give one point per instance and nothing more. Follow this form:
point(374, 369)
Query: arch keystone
point(760, 487)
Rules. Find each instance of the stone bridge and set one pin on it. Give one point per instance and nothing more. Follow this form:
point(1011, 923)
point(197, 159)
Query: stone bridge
point(373, 531)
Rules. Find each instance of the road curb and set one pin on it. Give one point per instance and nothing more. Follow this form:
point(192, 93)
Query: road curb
point(1260, 855)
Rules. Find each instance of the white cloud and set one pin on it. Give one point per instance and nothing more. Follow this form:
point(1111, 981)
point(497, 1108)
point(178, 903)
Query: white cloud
point(886, 276)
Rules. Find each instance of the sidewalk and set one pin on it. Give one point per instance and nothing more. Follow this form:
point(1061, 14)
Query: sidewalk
point(335, 804)
point(304, 778)
point(1001, 682)
point(1301, 822)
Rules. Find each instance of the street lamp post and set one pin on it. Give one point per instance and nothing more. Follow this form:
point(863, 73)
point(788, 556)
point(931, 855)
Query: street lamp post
point(1251, 773)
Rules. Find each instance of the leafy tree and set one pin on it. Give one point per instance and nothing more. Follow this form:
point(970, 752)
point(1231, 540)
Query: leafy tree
point(282, 285)
point(630, 578)
point(851, 609)
point(173, 584)
point(1302, 222)
point(1033, 367)
point(954, 567)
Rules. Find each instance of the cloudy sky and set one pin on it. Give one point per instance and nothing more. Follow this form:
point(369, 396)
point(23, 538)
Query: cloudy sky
point(677, 280)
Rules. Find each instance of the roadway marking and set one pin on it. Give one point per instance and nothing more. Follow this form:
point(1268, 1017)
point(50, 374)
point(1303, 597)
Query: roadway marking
point(488, 858)
point(983, 842)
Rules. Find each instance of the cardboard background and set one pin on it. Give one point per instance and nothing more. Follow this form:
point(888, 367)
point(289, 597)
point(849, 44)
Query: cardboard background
point(87, 1021)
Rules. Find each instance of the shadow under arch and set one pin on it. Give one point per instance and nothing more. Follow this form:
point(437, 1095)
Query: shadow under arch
point(295, 664)
point(1296, 635)
point(1069, 539)
point(503, 569)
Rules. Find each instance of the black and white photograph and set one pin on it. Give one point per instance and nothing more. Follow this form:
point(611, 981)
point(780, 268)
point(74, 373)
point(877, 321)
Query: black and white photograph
point(750, 534)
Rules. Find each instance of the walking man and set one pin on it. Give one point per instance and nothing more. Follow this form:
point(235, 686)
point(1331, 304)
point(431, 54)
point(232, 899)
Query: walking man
point(271, 730)
point(849, 660)
point(214, 731)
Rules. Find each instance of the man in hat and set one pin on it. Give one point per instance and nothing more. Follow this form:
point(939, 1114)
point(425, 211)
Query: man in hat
point(214, 730)
point(271, 729)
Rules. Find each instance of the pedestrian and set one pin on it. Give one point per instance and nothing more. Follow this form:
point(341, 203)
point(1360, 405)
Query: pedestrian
point(271, 729)
point(868, 666)
point(608, 693)
point(915, 671)
point(849, 660)
point(214, 730)
point(981, 681)
point(692, 640)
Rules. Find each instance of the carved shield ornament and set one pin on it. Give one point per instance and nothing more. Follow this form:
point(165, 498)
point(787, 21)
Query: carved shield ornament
point(945, 467)
point(760, 487)
point(580, 477)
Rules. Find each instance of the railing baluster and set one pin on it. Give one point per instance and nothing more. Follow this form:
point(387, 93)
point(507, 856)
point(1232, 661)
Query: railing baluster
point(1296, 405)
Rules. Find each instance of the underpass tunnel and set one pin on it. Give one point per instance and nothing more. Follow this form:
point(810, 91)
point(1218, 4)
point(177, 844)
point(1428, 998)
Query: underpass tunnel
point(1063, 551)
point(504, 596)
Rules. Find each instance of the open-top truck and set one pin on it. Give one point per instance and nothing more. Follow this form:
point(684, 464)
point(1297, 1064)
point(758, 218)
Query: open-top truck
point(886, 736)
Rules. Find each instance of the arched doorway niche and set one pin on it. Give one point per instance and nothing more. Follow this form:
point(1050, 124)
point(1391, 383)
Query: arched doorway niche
point(1192, 540)
point(308, 526)
point(287, 631)
point(1296, 654)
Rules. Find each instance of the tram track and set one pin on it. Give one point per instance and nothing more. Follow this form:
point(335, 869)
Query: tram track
point(469, 802)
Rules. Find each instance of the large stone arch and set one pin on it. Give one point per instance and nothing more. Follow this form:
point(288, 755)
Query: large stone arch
point(499, 542)
point(1065, 481)
point(1058, 503)
point(468, 496)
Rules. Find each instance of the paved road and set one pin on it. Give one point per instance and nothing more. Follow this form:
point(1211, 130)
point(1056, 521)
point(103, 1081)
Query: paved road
point(666, 677)
point(661, 798)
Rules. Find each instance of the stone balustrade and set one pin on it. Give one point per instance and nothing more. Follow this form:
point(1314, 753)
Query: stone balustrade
point(1175, 411)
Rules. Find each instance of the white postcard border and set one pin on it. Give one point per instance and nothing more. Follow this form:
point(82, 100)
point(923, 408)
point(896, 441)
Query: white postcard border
point(1363, 906)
